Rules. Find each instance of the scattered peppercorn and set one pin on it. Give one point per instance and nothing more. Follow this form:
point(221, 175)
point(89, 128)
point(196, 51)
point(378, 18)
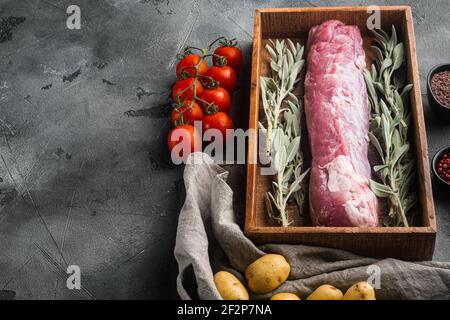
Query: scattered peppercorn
point(443, 167)
point(440, 85)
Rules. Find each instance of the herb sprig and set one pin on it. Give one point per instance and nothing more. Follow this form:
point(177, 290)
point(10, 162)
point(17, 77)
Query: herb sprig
point(390, 119)
point(283, 112)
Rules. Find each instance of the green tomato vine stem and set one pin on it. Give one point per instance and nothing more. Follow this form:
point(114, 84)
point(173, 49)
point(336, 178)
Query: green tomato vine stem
point(204, 54)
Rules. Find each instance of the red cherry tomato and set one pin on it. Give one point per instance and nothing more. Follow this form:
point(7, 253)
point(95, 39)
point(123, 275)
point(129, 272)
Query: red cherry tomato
point(187, 63)
point(183, 115)
point(187, 139)
point(232, 54)
point(219, 120)
point(183, 90)
point(219, 97)
point(226, 77)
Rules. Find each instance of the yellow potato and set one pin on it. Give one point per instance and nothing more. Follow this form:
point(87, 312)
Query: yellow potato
point(229, 287)
point(326, 292)
point(285, 296)
point(267, 273)
point(360, 291)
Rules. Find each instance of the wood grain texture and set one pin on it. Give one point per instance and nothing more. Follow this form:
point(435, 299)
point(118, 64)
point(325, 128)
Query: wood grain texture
point(413, 243)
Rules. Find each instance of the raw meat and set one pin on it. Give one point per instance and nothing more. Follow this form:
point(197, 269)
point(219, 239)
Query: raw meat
point(337, 116)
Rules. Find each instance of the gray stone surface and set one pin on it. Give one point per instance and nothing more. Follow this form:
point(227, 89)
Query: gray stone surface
point(84, 182)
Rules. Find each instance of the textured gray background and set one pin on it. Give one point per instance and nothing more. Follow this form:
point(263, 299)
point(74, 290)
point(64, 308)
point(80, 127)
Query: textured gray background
point(85, 182)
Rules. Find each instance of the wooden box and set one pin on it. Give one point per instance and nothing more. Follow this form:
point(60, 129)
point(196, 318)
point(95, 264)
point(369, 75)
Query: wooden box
point(407, 243)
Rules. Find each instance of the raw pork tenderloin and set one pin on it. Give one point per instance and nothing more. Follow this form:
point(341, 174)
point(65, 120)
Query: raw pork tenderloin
point(337, 116)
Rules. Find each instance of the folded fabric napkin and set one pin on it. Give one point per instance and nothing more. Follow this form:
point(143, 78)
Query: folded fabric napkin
point(208, 216)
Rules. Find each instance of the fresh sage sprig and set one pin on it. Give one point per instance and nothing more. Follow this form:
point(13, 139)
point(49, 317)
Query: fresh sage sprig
point(283, 112)
point(285, 66)
point(390, 120)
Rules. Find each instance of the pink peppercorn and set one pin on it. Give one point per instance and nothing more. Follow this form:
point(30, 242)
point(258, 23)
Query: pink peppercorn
point(443, 167)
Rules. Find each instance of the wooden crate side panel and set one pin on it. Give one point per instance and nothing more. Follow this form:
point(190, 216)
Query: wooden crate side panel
point(252, 176)
point(297, 22)
point(405, 246)
point(425, 192)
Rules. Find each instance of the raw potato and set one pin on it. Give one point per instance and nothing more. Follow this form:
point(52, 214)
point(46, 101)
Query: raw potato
point(267, 273)
point(229, 287)
point(326, 292)
point(285, 296)
point(360, 291)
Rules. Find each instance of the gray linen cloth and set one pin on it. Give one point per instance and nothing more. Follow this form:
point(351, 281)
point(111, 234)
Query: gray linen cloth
point(207, 215)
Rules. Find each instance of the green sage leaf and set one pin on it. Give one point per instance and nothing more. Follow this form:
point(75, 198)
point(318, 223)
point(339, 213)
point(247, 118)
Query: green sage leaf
point(398, 55)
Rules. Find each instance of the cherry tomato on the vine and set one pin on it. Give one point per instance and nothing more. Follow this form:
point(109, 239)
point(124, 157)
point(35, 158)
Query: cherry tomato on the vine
point(184, 90)
point(219, 97)
point(185, 114)
point(186, 65)
point(189, 140)
point(226, 77)
point(233, 55)
point(219, 120)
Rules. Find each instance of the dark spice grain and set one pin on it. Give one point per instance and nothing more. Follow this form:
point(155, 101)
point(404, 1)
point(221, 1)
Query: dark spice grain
point(440, 85)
